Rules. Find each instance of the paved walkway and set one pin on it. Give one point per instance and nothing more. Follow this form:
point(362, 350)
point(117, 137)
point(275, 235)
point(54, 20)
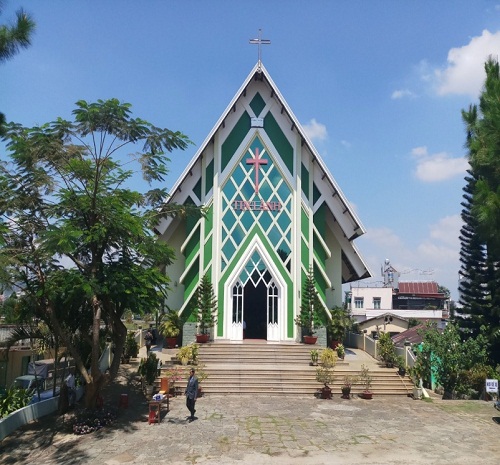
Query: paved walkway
point(270, 430)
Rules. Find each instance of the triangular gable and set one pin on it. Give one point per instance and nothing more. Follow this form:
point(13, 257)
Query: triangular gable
point(328, 192)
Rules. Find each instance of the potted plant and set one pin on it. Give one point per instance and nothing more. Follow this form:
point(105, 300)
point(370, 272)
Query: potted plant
point(314, 357)
point(184, 354)
point(416, 377)
point(328, 358)
point(147, 369)
point(387, 350)
point(337, 326)
point(173, 374)
point(206, 305)
point(324, 375)
point(347, 385)
point(311, 310)
point(131, 349)
point(401, 365)
point(340, 351)
point(366, 379)
point(171, 328)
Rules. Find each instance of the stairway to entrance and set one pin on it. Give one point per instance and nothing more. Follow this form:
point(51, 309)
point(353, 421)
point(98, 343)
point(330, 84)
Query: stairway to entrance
point(261, 368)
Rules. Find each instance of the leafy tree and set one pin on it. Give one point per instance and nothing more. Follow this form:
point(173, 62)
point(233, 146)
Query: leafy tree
point(310, 318)
point(387, 349)
point(64, 199)
point(412, 322)
point(339, 323)
point(12, 38)
point(480, 239)
point(206, 305)
point(448, 356)
point(9, 309)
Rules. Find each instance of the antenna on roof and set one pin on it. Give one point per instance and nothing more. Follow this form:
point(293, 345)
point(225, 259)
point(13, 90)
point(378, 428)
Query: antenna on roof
point(259, 41)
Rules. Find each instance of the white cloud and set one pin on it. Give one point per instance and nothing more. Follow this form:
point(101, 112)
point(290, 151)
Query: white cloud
point(384, 237)
point(464, 72)
point(346, 144)
point(447, 230)
point(315, 130)
point(401, 93)
point(438, 166)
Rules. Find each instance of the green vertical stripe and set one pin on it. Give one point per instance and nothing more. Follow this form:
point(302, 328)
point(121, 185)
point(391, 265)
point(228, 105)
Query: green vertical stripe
point(234, 139)
point(279, 141)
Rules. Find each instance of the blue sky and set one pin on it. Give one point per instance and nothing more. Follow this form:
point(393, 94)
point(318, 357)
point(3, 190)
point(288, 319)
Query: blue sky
point(378, 85)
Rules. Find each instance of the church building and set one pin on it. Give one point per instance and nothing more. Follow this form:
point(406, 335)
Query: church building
point(273, 212)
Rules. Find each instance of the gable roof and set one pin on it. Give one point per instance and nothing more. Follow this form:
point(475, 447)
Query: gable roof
point(382, 315)
point(351, 227)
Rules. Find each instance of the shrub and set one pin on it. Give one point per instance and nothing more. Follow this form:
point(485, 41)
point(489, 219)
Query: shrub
point(328, 358)
point(14, 399)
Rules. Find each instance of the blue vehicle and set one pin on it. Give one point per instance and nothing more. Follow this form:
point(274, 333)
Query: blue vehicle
point(36, 385)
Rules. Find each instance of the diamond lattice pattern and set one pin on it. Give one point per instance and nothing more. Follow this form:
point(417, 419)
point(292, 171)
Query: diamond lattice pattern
point(272, 187)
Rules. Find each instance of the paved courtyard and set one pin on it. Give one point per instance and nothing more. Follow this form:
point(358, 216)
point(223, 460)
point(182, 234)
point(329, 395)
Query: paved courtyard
point(271, 430)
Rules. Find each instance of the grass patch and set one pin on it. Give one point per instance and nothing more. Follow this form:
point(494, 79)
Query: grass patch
point(463, 406)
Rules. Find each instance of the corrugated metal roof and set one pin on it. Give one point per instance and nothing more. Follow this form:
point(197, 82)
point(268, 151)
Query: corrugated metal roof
point(419, 287)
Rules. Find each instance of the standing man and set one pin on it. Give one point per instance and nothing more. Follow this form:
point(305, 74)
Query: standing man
point(191, 393)
point(148, 339)
point(70, 383)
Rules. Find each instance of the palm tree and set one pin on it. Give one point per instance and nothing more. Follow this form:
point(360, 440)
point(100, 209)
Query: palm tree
point(12, 38)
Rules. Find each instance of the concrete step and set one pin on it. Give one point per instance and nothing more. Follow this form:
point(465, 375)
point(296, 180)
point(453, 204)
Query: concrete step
point(281, 369)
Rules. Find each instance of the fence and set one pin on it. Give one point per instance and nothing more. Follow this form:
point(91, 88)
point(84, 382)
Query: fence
point(369, 345)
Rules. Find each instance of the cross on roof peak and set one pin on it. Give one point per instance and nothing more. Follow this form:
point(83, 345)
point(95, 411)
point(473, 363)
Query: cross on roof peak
point(259, 42)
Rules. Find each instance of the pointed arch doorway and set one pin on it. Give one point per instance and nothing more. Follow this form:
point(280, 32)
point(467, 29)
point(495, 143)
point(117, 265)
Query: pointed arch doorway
point(256, 310)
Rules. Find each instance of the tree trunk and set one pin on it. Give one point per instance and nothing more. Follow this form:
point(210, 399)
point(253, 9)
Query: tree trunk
point(93, 390)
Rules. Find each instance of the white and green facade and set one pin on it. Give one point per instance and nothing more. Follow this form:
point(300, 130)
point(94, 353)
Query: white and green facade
point(273, 211)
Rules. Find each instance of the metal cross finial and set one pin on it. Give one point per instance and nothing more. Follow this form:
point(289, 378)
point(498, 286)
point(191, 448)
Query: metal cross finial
point(260, 42)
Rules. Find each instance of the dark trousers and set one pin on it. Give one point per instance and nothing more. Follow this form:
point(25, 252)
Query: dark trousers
point(190, 403)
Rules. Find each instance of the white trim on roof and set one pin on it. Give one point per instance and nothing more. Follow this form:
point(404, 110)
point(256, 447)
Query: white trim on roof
point(358, 227)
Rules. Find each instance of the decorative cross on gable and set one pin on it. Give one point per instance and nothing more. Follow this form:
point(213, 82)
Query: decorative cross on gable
point(259, 42)
point(256, 162)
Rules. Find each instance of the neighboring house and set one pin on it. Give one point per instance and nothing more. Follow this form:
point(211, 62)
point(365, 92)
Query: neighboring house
point(374, 306)
point(14, 362)
point(412, 336)
point(273, 211)
point(385, 322)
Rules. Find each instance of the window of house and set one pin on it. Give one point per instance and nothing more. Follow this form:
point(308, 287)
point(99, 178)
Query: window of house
point(358, 302)
point(376, 303)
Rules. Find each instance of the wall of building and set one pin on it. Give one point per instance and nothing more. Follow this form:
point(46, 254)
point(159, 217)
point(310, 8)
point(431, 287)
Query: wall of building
point(368, 294)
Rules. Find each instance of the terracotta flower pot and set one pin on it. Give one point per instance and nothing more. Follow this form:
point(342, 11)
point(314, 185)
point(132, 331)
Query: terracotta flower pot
point(202, 338)
point(171, 342)
point(326, 393)
point(309, 339)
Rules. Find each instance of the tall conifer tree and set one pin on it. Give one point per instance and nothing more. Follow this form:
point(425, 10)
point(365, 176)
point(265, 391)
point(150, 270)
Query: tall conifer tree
point(481, 284)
